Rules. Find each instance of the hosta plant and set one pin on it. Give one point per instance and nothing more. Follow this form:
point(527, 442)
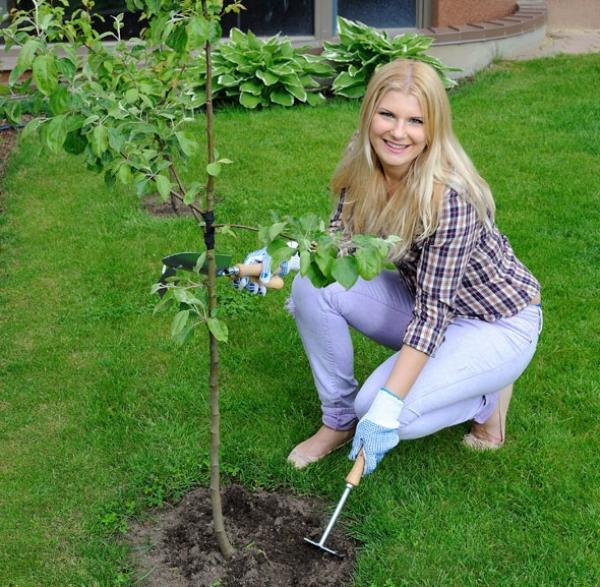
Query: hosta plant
point(261, 73)
point(361, 49)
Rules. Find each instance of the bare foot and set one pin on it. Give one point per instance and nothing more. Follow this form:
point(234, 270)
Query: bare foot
point(491, 434)
point(319, 445)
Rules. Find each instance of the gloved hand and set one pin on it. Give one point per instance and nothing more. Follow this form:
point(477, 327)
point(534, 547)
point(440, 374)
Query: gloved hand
point(377, 430)
point(261, 256)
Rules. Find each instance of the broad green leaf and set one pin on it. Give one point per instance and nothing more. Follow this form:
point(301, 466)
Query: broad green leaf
point(218, 329)
point(31, 128)
point(304, 262)
point(345, 271)
point(266, 77)
point(99, 140)
point(163, 185)
point(66, 67)
point(200, 262)
point(213, 169)
point(198, 32)
point(59, 100)
point(251, 88)
point(178, 38)
point(45, 74)
point(316, 277)
point(179, 322)
point(368, 262)
point(275, 230)
point(131, 95)
point(249, 100)
point(227, 80)
point(187, 142)
point(116, 139)
point(282, 98)
point(297, 91)
point(191, 193)
point(75, 143)
point(27, 53)
point(56, 133)
point(124, 174)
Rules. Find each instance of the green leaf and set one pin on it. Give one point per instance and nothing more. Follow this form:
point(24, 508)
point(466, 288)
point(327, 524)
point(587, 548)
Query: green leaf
point(213, 169)
point(266, 77)
point(75, 143)
point(124, 174)
point(191, 193)
point(218, 329)
point(369, 262)
point(198, 31)
point(163, 185)
point(282, 98)
point(297, 91)
point(345, 271)
point(99, 140)
point(45, 74)
point(56, 133)
point(131, 95)
point(179, 322)
point(66, 67)
point(178, 38)
point(251, 88)
point(304, 262)
point(59, 100)
point(200, 262)
point(31, 128)
point(187, 142)
point(27, 53)
point(249, 100)
point(275, 230)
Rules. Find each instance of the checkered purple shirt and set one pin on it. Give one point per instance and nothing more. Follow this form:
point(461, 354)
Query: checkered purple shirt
point(463, 269)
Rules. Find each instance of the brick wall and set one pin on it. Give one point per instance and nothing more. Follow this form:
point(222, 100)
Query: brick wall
point(455, 12)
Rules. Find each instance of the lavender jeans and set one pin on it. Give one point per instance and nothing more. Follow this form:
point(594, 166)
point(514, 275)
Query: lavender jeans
point(461, 382)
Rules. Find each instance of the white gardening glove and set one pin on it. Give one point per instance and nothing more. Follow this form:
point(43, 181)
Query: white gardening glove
point(261, 256)
point(377, 430)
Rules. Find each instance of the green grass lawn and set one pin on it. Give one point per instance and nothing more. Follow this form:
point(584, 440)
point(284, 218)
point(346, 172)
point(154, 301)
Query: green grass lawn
point(102, 417)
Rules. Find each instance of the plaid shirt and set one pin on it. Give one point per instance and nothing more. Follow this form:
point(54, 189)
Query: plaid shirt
point(463, 269)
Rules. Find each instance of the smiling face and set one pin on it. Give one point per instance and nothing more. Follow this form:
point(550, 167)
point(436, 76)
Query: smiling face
point(397, 133)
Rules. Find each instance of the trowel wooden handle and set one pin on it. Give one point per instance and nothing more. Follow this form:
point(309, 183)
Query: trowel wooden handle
point(254, 269)
point(356, 472)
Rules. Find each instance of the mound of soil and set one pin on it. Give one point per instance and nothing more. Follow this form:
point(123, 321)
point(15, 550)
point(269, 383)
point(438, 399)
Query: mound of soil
point(155, 206)
point(178, 547)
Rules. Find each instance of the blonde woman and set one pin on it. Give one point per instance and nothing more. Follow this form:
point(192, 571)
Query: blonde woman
point(461, 312)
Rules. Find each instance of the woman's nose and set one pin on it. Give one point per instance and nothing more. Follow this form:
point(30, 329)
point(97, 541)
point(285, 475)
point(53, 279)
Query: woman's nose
point(398, 131)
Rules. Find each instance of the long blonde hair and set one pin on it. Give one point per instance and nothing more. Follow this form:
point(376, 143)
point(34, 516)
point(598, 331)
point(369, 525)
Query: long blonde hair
point(412, 210)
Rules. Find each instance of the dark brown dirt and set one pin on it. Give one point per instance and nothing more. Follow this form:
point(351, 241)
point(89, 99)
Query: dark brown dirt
point(8, 139)
point(178, 549)
point(154, 205)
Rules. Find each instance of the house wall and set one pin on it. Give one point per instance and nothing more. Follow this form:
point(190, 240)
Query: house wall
point(456, 12)
point(573, 14)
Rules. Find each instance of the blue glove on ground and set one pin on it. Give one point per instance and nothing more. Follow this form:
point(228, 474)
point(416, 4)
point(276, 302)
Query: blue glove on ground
point(377, 430)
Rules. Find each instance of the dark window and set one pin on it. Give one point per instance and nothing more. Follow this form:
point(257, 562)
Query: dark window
point(380, 13)
point(269, 17)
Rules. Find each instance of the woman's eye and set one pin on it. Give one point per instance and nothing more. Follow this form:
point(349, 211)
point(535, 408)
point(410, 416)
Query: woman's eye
point(416, 121)
point(386, 114)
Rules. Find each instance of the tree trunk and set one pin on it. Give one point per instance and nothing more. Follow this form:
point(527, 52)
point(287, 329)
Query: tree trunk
point(209, 232)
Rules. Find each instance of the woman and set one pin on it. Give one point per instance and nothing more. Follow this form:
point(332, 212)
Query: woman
point(462, 311)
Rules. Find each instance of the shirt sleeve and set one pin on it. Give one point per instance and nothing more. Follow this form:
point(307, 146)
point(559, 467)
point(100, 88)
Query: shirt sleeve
point(440, 271)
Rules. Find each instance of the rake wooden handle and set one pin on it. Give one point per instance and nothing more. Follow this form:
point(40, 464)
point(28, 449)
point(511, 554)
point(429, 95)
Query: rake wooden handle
point(356, 472)
point(254, 269)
